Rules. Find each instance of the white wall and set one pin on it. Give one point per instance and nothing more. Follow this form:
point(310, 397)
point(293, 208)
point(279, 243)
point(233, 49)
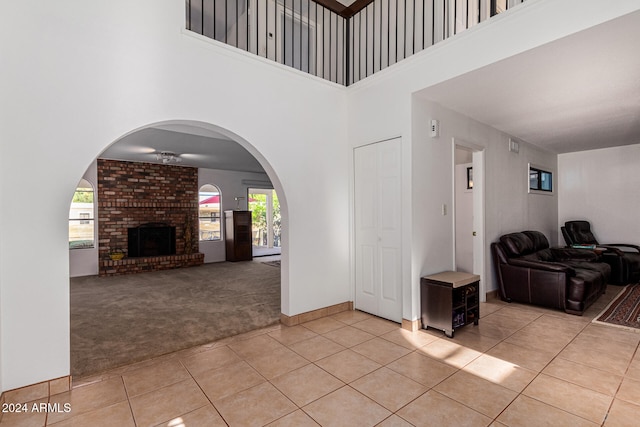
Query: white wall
point(84, 262)
point(231, 184)
point(381, 107)
point(602, 187)
point(509, 207)
point(76, 77)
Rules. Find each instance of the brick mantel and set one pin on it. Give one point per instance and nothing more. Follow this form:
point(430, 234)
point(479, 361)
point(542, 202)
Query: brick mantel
point(131, 194)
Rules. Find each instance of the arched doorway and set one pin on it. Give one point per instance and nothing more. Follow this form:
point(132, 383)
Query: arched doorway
point(149, 175)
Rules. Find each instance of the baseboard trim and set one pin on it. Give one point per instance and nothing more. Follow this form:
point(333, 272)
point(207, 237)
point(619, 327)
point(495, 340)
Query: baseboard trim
point(41, 390)
point(411, 325)
point(315, 314)
point(492, 295)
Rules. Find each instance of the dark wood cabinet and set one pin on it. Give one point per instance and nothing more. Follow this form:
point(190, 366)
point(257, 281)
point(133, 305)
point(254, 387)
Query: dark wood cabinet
point(238, 235)
point(449, 300)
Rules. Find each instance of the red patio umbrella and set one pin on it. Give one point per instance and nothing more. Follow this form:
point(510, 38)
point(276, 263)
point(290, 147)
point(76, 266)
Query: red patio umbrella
point(209, 200)
point(216, 199)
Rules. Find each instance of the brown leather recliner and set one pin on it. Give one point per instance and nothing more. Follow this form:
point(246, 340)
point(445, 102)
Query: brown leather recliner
point(623, 258)
point(531, 272)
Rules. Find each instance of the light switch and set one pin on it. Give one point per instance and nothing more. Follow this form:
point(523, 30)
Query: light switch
point(514, 146)
point(434, 128)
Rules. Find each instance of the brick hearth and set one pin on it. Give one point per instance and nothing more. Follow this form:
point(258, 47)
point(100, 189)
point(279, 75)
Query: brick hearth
point(138, 265)
point(131, 194)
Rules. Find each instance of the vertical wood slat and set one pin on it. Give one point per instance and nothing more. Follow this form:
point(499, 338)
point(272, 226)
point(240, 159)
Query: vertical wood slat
point(341, 40)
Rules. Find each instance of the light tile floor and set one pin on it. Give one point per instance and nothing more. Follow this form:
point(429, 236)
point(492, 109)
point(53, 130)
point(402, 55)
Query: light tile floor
point(521, 366)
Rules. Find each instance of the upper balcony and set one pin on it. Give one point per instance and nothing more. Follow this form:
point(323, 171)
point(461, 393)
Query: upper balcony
point(343, 42)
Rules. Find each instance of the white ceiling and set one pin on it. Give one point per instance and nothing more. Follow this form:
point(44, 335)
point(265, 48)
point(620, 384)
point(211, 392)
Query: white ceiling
point(578, 93)
point(197, 147)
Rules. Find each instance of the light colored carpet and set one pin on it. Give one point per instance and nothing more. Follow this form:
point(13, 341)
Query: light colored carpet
point(275, 263)
point(123, 319)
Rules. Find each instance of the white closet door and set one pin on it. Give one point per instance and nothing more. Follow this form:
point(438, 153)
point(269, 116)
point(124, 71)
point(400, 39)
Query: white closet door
point(378, 197)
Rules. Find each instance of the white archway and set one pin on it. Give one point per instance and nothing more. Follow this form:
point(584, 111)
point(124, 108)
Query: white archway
point(208, 129)
point(203, 130)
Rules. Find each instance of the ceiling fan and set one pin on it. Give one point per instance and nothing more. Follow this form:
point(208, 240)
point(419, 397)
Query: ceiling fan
point(159, 155)
point(167, 157)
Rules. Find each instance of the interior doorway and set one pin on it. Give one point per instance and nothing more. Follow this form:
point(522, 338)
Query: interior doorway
point(468, 210)
point(378, 228)
point(266, 221)
point(155, 151)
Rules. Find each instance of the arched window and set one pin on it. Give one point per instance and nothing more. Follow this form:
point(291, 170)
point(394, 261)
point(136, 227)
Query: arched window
point(81, 217)
point(209, 213)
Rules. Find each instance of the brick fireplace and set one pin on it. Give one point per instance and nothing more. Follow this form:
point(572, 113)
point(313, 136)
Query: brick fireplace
point(134, 194)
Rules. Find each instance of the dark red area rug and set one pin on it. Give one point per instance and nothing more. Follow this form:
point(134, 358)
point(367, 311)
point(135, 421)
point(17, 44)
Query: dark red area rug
point(624, 310)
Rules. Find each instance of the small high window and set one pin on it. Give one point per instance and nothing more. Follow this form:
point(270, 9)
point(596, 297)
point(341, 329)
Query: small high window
point(540, 180)
point(81, 217)
point(209, 213)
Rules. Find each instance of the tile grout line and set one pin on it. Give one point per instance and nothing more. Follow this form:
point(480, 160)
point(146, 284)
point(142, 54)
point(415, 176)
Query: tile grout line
point(635, 353)
point(243, 359)
point(557, 356)
point(344, 384)
point(502, 340)
point(200, 388)
point(126, 392)
point(520, 393)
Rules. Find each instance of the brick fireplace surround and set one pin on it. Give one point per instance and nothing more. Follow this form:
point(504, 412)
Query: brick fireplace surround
point(131, 194)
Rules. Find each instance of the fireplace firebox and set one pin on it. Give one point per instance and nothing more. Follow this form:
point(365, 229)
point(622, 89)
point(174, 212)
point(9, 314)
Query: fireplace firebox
point(152, 239)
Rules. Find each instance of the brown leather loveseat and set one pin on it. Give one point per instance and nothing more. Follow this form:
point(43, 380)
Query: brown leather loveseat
point(529, 271)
